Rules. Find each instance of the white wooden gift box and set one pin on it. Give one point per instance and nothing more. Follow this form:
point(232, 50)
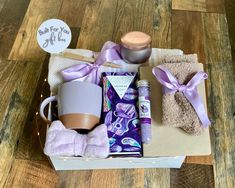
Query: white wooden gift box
point(160, 153)
point(80, 163)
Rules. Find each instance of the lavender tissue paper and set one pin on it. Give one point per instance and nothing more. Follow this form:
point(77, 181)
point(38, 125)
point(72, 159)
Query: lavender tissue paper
point(120, 113)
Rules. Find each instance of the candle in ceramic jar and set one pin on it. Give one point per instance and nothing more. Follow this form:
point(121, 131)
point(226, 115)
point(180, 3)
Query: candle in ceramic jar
point(135, 47)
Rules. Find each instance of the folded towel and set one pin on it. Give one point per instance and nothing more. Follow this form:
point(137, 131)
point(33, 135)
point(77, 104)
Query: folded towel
point(177, 110)
point(66, 142)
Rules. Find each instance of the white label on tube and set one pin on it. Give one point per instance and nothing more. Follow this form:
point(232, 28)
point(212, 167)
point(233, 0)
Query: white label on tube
point(144, 108)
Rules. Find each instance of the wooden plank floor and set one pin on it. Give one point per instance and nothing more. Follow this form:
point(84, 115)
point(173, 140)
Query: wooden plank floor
point(195, 26)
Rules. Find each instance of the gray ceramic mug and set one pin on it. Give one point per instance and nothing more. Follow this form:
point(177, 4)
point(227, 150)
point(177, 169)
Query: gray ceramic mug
point(79, 104)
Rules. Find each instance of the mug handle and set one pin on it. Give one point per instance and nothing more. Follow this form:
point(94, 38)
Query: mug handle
point(43, 105)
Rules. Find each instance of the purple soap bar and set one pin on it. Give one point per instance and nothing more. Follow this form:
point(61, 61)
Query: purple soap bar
point(120, 113)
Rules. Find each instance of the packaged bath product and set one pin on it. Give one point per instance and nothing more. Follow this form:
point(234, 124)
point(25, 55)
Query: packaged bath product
point(120, 113)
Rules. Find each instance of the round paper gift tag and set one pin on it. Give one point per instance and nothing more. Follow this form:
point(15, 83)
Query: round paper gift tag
point(54, 36)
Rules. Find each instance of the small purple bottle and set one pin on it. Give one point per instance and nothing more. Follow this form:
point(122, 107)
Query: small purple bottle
point(144, 110)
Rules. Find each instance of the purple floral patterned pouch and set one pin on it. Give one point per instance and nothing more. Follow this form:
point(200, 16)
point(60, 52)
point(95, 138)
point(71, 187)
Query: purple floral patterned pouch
point(120, 113)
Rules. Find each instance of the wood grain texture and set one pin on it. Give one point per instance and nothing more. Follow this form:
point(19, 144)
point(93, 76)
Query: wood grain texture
point(221, 97)
point(162, 24)
point(125, 178)
point(75, 34)
point(110, 178)
point(26, 173)
point(230, 13)
point(98, 21)
point(151, 17)
point(207, 160)
point(222, 108)
point(11, 19)
point(25, 46)
point(216, 6)
point(81, 179)
point(18, 82)
point(131, 178)
point(29, 146)
point(157, 178)
point(191, 5)
point(187, 33)
point(217, 44)
point(72, 12)
point(2, 2)
point(191, 175)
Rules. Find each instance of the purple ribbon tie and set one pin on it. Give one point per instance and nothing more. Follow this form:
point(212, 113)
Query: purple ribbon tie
point(171, 85)
point(89, 72)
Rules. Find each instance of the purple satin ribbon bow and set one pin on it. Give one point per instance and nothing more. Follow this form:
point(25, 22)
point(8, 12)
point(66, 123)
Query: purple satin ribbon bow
point(89, 72)
point(171, 85)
